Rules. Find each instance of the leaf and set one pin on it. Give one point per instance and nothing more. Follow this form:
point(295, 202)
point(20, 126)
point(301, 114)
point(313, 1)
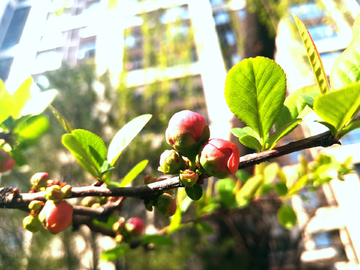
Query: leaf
point(134, 172)
point(346, 69)
point(250, 187)
point(242, 175)
point(203, 227)
point(115, 253)
point(88, 149)
point(30, 131)
point(281, 188)
point(175, 220)
point(108, 224)
point(157, 239)
point(294, 106)
point(282, 132)
point(20, 97)
point(338, 107)
point(309, 98)
point(298, 185)
point(6, 108)
point(65, 124)
point(195, 192)
point(350, 127)
point(287, 216)
point(225, 189)
point(329, 126)
point(39, 102)
point(248, 137)
point(125, 135)
point(255, 92)
point(314, 57)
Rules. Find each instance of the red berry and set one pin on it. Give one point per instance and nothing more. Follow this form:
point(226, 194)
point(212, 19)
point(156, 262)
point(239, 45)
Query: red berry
point(6, 161)
point(135, 225)
point(56, 217)
point(220, 158)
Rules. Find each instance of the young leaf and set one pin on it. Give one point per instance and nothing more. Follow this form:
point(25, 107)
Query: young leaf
point(329, 126)
point(314, 57)
point(115, 253)
point(247, 137)
point(20, 97)
point(157, 239)
point(298, 185)
point(309, 98)
point(249, 189)
point(346, 69)
point(175, 220)
point(195, 192)
point(287, 216)
point(65, 124)
point(88, 149)
point(255, 93)
point(281, 188)
point(338, 107)
point(294, 106)
point(351, 126)
point(125, 135)
point(30, 131)
point(225, 189)
point(134, 172)
point(39, 102)
point(203, 227)
point(281, 132)
point(6, 108)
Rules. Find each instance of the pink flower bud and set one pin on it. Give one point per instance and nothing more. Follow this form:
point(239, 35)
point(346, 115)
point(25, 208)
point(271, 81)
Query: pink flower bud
point(171, 162)
point(56, 217)
point(54, 193)
point(135, 225)
point(186, 132)
point(188, 178)
point(6, 161)
point(220, 158)
point(166, 204)
point(39, 179)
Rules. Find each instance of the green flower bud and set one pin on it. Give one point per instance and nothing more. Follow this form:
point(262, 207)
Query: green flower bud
point(54, 193)
point(188, 178)
point(32, 223)
point(35, 205)
point(67, 191)
point(166, 204)
point(171, 162)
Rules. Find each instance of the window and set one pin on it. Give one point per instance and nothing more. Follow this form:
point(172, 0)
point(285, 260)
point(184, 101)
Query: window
point(322, 239)
point(16, 27)
point(5, 65)
point(321, 31)
point(357, 168)
point(221, 18)
point(5, 20)
point(48, 60)
point(53, 40)
point(351, 138)
point(87, 50)
point(307, 11)
point(242, 14)
point(230, 38)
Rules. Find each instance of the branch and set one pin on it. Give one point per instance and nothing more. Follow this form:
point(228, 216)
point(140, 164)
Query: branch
point(20, 201)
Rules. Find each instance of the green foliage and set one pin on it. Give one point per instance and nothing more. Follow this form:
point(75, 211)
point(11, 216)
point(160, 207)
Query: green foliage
point(133, 173)
point(195, 192)
point(287, 216)
point(115, 253)
point(157, 239)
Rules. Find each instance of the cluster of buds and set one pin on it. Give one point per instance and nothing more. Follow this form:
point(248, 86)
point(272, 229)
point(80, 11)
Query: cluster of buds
point(128, 230)
point(55, 214)
point(6, 161)
point(194, 153)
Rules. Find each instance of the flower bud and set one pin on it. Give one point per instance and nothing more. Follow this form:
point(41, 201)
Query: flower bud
point(220, 158)
point(88, 201)
point(39, 180)
point(35, 205)
point(119, 238)
point(67, 191)
point(54, 193)
point(56, 217)
point(171, 162)
point(149, 179)
point(166, 204)
point(119, 225)
point(188, 178)
point(135, 226)
point(6, 161)
point(31, 223)
point(186, 132)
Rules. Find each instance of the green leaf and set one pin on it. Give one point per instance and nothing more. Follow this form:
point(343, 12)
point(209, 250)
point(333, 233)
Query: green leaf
point(6, 108)
point(248, 137)
point(225, 189)
point(309, 98)
point(115, 253)
point(65, 124)
point(350, 127)
point(242, 175)
point(338, 107)
point(175, 220)
point(195, 192)
point(329, 126)
point(134, 172)
point(108, 224)
point(125, 135)
point(203, 227)
point(282, 132)
point(281, 188)
point(20, 97)
point(298, 185)
point(39, 102)
point(255, 92)
point(30, 131)
point(287, 216)
point(346, 69)
point(294, 106)
point(157, 239)
point(314, 57)
point(249, 189)
point(88, 149)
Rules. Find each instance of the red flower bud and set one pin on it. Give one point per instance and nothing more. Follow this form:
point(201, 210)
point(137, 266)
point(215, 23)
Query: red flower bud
point(135, 225)
point(171, 162)
point(186, 132)
point(39, 179)
point(188, 178)
point(220, 158)
point(6, 161)
point(56, 217)
point(166, 204)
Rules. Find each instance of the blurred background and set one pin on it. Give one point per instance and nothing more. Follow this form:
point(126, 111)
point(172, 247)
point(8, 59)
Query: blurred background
point(112, 60)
